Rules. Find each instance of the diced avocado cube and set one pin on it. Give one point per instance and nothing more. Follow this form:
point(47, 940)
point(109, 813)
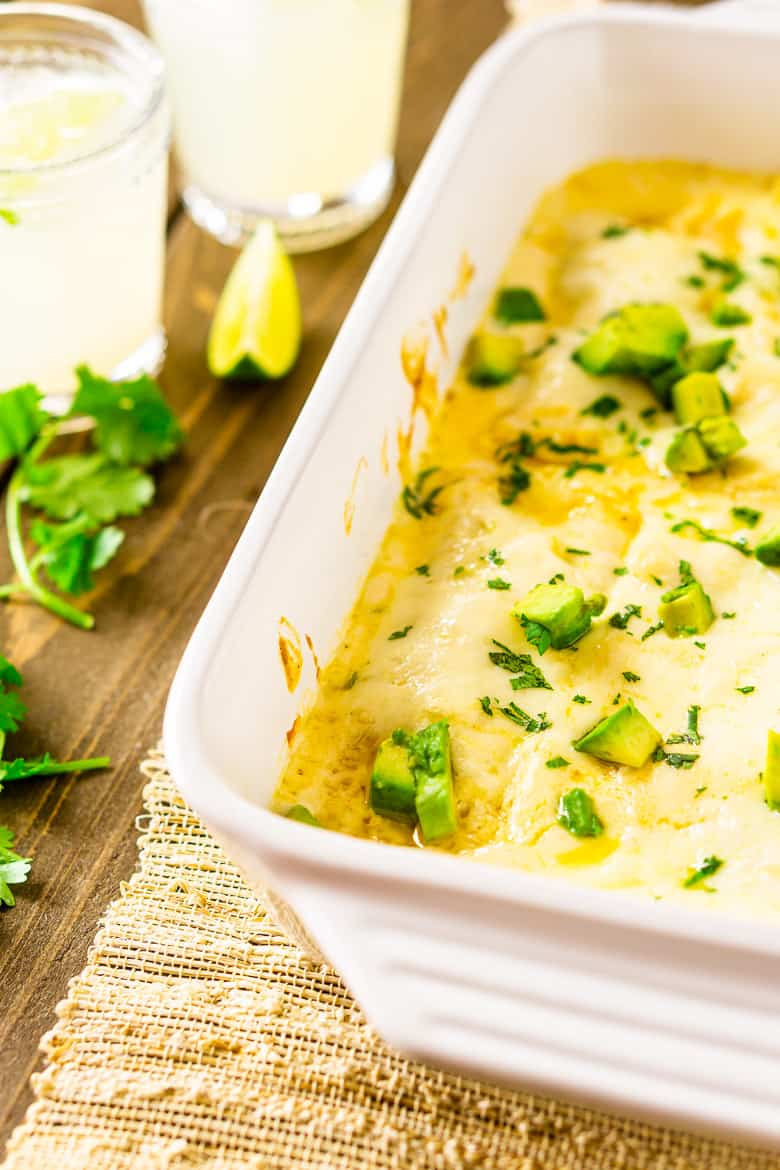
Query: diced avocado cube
point(686, 610)
point(772, 770)
point(640, 340)
point(727, 313)
point(768, 548)
point(299, 812)
point(624, 737)
point(687, 453)
point(561, 609)
point(721, 437)
point(663, 381)
point(708, 356)
point(493, 358)
point(697, 396)
point(392, 791)
point(435, 799)
point(518, 305)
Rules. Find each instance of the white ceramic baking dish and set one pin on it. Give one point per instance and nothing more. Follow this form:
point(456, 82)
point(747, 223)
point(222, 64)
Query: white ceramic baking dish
point(630, 1005)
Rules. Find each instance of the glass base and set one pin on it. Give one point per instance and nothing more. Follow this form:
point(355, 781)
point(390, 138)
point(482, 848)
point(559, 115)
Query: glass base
point(305, 222)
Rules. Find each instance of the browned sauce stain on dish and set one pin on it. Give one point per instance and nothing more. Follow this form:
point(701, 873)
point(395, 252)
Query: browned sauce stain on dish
point(464, 278)
point(293, 731)
point(349, 503)
point(440, 316)
point(314, 657)
point(425, 392)
point(291, 653)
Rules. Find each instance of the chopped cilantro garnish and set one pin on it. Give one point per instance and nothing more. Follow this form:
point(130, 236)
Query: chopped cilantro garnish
point(603, 406)
point(629, 676)
point(567, 448)
point(694, 281)
point(581, 699)
point(700, 789)
point(704, 869)
point(621, 572)
point(708, 534)
point(577, 814)
point(349, 684)
point(556, 578)
point(498, 583)
point(651, 630)
point(538, 635)
point(423, 570)
point(459, 570)
point(9, 217)
point(578, 465)
point(397, 634)
point(614, 231)
point(734, 276)
point(727, 314)
point(557, 762)
point(531, 723)
point(748, 516)
point(692, 734)
point(648, 413)
point(495, 558)
point(745, 690)
point(486, 705)
point(419, 498)
point(579, 552)
point(728, 615)
point(528, 674)
point(675, 759)
point(657, 580)
point(620, 620)
point(700, 645)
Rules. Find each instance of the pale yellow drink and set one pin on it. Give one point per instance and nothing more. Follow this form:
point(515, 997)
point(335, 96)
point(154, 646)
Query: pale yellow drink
point(284, 107)
point(82, 206)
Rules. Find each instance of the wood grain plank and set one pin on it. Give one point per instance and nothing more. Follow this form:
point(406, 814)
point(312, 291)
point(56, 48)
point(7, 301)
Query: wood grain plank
point(106, 690)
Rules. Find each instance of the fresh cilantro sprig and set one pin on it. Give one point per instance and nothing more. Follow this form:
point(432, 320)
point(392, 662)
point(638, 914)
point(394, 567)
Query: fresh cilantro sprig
point(78, 496)
point(14, 868)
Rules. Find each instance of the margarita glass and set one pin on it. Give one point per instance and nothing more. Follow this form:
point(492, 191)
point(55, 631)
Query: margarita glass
point(284, 108)
point(84, 130)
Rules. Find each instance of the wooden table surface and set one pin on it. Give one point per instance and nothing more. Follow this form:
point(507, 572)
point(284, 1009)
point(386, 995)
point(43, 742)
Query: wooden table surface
point(105, 691)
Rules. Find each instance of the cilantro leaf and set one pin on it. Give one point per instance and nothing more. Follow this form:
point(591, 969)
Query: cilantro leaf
point(133, 422)
point(70, 554)
point(619, 621)
point(419, 499)
point(538, 635)
point(398, 634)
point(529, 676)
point(705, 869)
point(21, 419)
point(13, 868)
point(12, 709)
point(557, 762)
point(87, 485)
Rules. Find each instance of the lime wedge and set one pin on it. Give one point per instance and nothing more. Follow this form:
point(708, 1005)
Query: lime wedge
point(256, 331)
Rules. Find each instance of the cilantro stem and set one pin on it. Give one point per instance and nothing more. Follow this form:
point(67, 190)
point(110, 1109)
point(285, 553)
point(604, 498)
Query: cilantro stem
point(96, 764)
point(29, 582)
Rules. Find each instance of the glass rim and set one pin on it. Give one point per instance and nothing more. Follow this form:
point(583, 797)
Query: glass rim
point(125, 38)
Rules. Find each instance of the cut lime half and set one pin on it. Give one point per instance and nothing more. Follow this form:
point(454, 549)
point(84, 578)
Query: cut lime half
point(256, 331)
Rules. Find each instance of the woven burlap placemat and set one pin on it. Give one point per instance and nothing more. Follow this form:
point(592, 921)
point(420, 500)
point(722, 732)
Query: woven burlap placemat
point(198, 1035)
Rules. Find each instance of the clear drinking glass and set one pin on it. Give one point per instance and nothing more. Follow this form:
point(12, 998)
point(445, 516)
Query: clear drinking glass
point(284, 108)
point(84, 130)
